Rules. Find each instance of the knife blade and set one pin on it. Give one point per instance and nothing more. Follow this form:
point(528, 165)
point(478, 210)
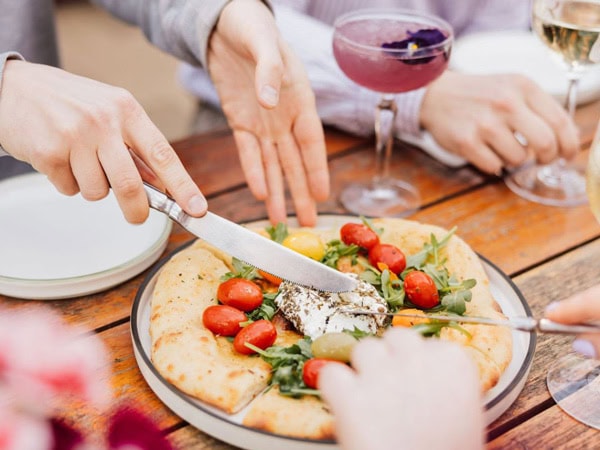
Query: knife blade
point(529, 324)
point(252, 248)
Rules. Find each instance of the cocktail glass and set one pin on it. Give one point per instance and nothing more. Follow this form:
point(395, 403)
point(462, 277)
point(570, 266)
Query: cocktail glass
point(570, 29)
point(388, 51)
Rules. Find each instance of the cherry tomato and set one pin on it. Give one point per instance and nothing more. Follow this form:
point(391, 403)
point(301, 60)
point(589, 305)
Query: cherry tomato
point(270, 278)
point(240, 293)
point(307, 243)
point(223, 320)
point(261, 333)
point(421, 290)
point(388, 254)
point(359, 234)
point(312, 367)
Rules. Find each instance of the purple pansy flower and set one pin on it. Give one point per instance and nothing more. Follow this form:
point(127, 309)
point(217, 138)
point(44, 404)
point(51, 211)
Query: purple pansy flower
point(417, 42)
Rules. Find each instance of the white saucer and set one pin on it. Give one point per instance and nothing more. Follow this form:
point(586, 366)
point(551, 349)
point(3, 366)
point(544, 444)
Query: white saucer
point(53, 246)
point(520, 52)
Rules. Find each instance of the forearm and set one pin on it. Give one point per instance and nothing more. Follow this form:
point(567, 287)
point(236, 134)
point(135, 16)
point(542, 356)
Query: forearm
point(179, 27)
point(3, 58)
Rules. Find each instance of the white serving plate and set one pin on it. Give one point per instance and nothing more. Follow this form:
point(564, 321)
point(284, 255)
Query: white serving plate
point(53, 246)
point(524, 53)
point(229, 428)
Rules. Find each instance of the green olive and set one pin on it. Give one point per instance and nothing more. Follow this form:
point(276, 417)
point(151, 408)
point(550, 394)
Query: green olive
point(336, 346)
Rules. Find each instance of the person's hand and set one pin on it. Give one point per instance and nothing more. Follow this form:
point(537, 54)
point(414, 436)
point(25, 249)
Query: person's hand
point(477, 116)
point(581, 307)
point(405, 392)
point(267, 99)
point(88, 137)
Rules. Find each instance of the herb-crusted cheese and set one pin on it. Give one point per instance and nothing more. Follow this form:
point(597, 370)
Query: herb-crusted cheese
point(314, 313)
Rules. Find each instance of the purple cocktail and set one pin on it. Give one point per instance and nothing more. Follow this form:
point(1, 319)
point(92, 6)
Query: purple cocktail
point(388, 51)
point(389, 69)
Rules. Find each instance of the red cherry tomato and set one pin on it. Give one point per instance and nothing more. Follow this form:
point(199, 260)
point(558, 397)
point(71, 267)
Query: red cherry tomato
point(359, 234)
point(240, 293)
point(421, 290)
point(312, 367)
point(261, 333)
point(223, 320)
point(388, 254)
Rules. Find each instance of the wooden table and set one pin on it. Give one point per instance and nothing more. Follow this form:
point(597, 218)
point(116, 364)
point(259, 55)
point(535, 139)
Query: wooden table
point(548, 252)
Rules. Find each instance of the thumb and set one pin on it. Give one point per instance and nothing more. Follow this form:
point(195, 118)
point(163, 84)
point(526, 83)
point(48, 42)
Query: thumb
point(269, 69)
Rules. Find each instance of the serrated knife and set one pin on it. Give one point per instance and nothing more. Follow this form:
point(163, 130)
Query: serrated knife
point(252, 248)
point(529, 324)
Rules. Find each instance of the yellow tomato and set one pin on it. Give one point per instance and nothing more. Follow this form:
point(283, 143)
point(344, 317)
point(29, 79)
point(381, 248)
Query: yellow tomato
point(307, 243)
point(400, 321)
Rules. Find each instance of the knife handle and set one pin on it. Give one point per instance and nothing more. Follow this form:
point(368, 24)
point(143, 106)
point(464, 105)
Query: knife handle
point(161, 202)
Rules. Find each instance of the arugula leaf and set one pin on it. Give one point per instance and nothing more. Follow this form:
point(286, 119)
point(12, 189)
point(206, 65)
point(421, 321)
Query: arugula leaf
point(278, 233)
point(240, 270)
point(266, 310)
point(358, 334)
point(287, 364)
point(368, 222)
point(335, 249)
point(435, 327)
point(430, 252)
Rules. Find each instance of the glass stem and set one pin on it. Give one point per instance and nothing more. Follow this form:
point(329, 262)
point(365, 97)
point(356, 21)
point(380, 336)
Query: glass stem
point(571, 100)
point(385, 117)
point(553, 175)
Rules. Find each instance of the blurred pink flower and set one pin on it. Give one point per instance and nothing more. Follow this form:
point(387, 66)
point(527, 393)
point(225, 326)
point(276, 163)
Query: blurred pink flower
point(41, 357)
point(44, 361)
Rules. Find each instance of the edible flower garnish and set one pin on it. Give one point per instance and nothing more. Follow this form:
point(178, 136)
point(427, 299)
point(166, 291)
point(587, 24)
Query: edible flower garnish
point(418, 44)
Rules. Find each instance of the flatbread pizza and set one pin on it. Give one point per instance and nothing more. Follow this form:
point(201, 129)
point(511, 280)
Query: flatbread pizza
point(236, 338)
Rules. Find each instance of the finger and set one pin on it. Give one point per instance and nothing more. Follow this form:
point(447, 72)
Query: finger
point(581, 307)
point(144, 139)
point(252, 163)
point(89, 174)
point(291, 162)
point(557, 118)
point(269, 67)
point(64, 181)
point(479, 154)
point(541, 139)
point(336, 382)
point(276, 192)
point(56, 166)
point(368, 355)
point(587, 345)
point(308, 132)
point(125, 180)
point(506, 146)
point(400, 341)
point(146, 172)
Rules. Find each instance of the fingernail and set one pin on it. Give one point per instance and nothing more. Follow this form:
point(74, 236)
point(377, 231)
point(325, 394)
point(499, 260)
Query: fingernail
point(551, 307)
point(197, 204)
point(269, 95)
point(584, 348)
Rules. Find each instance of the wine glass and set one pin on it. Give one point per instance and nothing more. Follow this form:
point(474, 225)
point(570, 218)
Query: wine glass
point(570, 29)
point(573, 380)
point(388, 51)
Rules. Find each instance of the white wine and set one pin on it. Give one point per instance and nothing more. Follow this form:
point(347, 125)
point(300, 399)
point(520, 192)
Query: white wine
point(571, 29)
point(593, 177)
